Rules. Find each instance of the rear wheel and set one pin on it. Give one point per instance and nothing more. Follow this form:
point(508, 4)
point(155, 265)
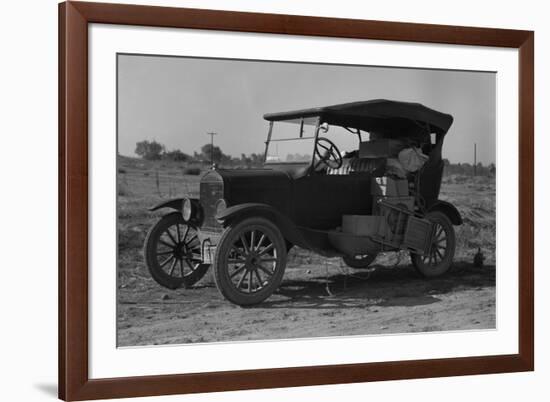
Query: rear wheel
point(359, 261)
point(442, 250)
point(250, 261)
point(173, 252)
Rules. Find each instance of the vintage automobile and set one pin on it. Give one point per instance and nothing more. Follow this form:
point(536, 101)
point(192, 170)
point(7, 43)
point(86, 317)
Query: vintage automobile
point(310, 195)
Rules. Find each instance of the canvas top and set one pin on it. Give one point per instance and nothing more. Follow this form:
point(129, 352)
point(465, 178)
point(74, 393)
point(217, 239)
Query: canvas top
point(386, 117)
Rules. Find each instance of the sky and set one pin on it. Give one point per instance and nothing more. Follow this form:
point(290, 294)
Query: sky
point(178, 100)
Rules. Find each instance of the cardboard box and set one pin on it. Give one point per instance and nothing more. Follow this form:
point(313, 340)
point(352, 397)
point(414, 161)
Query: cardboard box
point(360, 225)
point(406, 202)
point(381, 148)
point(389, 187)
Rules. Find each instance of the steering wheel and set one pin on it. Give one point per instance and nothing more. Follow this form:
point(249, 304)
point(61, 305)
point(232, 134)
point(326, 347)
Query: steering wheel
point(328, 153)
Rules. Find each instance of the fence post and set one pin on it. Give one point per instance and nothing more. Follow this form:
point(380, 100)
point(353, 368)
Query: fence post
point(157, 182)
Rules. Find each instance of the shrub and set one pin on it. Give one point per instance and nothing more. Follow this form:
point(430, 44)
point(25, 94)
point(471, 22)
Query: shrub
point(176, 155)
point(195, 171)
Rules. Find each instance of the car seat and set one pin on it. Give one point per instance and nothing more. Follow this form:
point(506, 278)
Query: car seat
point(359, 165)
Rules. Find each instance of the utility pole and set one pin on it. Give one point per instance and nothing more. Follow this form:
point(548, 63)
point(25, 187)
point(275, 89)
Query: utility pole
point(475, 159)
point(212, 134)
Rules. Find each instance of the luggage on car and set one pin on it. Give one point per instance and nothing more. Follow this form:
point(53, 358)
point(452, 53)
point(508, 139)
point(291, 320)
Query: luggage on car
point(389, 187)
point(381, 148)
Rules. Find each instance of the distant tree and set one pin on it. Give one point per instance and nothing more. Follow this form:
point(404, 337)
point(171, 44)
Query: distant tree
point(465, 169)
point(176, 155)
point(150, 150)
point(447, 169)
point(479, 170)
point(207, 153)
point(256, 159)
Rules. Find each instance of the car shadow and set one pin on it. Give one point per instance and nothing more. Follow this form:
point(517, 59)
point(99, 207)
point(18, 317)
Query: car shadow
point(384, 287)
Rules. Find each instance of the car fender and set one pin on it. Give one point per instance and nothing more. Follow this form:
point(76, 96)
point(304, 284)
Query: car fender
point(174, 203)
point(448, 209)
point(237, 212)
point(177, 204)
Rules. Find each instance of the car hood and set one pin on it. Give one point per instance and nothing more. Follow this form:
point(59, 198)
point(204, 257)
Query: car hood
point(266, 186)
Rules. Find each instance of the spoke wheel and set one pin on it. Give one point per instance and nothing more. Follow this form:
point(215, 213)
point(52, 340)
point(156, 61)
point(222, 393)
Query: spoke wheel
point(173, 252)
point(442, 250)
point(250, 261)
point(359, 261)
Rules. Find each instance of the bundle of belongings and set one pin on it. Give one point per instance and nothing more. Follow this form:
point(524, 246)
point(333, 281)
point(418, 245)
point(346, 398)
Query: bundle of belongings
point(401, 159)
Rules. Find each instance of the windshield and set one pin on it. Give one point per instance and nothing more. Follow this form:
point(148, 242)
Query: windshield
point(288, 145)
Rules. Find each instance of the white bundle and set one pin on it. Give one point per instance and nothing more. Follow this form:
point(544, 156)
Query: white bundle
point(412, 159)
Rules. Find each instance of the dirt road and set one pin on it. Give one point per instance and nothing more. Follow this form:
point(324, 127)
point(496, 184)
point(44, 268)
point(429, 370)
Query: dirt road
point(326, 300)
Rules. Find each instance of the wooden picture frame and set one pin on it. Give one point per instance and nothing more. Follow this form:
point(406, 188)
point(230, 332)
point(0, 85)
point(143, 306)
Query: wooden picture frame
point(74, 381)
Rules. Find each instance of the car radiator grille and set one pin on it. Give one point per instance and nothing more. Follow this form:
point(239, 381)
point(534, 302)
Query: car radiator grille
point(210, 193)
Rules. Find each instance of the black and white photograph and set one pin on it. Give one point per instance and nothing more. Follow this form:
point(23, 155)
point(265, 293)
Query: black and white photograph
point(262, 200)
point(243, 201)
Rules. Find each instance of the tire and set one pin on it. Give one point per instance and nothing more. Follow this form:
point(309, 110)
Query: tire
point(250, 261)
point(172, 253)
point(359, 263)
point(443, 248)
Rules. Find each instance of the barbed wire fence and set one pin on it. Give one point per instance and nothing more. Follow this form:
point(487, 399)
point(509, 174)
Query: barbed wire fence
point(157, 183)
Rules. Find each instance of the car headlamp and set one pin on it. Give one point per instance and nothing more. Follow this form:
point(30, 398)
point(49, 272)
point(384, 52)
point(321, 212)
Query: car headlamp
point(187, 210)
point(221, 205)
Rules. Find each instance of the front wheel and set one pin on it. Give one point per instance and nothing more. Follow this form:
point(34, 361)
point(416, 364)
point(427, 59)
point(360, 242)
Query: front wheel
point(173, 252)
point(442, 249)
point(250, 261)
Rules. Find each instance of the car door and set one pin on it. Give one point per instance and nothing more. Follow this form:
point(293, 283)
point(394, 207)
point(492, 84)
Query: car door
point(321, 200)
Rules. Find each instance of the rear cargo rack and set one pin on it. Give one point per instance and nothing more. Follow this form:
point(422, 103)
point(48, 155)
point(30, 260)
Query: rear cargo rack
point(400, 228)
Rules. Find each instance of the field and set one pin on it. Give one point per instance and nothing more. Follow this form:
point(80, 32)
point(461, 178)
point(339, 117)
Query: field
point(319, 296)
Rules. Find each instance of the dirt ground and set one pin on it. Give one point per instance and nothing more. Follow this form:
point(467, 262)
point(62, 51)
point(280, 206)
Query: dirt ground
point(318, 296)
point(312, 302)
